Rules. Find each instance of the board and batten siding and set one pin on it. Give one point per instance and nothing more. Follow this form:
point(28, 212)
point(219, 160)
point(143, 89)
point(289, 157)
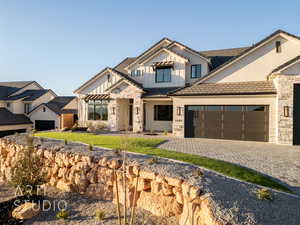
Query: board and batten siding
point(260, 63)
point(177, 73)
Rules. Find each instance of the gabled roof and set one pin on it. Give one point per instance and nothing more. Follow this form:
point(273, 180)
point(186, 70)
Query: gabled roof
point(8, 88)
point(113, 70)
point(230, 88)
point(287, 64)
point(57, 104)
point(244, 53)
point(219, 57)
point(28, 95)
point(189, 49)
point(8, 118)
point(165, 39)
point(163, 49)
point(121, 66)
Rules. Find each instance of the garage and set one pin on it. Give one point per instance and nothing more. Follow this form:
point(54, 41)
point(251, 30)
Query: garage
point(232, 122)
point(41, 125)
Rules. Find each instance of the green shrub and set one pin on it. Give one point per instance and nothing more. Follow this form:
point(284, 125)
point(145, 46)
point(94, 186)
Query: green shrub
point(27, 174)
point(152, 160)
point(91, 147)
point(63, 214)
point(197, 173)
point(100, 214)
point(264, 194)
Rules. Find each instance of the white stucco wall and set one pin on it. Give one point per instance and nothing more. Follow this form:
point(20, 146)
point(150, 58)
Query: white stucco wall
point(293, 70)
point(38, 114)
point(259, 64)
point(155, 125)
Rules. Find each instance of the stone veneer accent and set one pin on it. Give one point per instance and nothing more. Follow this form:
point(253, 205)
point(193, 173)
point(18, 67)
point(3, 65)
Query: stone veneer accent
point(75, 168)
point(285, 97)
point(127, 92)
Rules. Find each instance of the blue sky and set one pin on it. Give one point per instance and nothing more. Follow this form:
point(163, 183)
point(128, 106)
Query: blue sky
point(62, 44)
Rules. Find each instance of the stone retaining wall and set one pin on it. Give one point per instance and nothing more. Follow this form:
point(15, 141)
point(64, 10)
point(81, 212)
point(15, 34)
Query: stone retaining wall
point(165, 188)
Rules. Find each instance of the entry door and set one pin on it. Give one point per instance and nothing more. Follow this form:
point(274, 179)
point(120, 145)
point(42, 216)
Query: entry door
point(130, 115)
point(296, 115)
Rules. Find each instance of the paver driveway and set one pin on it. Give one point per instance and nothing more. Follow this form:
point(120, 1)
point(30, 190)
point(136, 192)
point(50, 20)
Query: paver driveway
point(278, 161)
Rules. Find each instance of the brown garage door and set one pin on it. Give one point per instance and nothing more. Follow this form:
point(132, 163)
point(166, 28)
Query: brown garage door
point(233, 122)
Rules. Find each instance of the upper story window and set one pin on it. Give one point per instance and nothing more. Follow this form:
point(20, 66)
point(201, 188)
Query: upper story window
point(136, 73)
point(278, 46)
point(26, 108)
point(196, 71)
point(163, 74)
point(97, 110)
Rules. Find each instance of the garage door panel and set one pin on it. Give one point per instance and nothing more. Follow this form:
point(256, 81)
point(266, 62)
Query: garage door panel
point(235, 123)
point(42, 125)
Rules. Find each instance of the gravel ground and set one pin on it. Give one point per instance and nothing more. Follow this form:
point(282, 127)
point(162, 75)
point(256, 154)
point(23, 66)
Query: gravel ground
point(82, 209)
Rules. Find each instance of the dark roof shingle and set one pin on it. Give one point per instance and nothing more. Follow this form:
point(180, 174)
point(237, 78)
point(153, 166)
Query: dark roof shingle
point(8, 118)
point(232, 88)
point(28, 95)
point(158, 92)
point(58, 103)
point(8, 88)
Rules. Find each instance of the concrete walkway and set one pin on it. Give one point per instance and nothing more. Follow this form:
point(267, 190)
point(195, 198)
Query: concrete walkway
point(279, 161)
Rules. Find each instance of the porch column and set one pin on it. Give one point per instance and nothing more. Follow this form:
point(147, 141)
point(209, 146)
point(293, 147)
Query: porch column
point(113, 114)
point(138, 114)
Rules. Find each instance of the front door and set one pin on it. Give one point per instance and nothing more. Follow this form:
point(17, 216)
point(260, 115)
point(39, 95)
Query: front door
point(296, 115)
point(130, 116)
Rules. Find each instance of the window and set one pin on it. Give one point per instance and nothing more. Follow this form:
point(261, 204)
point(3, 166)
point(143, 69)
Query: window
point(278, 46)
point(97, 110)
point(255, 108)
point(196, 71)
point(163, 112)
point(136, 73)
point(214, 108)
point(8, 105)
point(196, 108)
point(108, 77)
point(234, 108)
point(163, 75)
point(44, 109)
point(26, 108)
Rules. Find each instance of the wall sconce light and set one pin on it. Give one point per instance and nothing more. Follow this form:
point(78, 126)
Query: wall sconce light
point(286, 111)
point(179, 111)
point(137, 110)
point(113, 110)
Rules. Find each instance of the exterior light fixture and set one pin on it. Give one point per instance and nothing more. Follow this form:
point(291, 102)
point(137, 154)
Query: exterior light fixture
point(179, 111)
point(113, 110)
point(286, 111)
point(137, 110)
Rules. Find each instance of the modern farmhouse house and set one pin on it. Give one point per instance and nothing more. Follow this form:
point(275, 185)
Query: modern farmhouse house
point(26, 104)
point(248, 93)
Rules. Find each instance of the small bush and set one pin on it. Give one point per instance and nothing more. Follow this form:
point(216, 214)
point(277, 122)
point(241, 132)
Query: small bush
point(197, 173)
point(27, 174)
point(100, 214)
point(166, 133)
point(66, 142)
point(264, 194)
point(91, 147)
point(63, 214)
point(152, 161)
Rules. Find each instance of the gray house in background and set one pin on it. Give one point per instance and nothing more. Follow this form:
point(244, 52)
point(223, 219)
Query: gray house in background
point(26, 105)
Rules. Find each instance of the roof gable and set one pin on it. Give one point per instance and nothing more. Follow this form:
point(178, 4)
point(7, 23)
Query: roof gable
point(160, 44)
point(169, 51)
point(287, 65)
point(245, 53)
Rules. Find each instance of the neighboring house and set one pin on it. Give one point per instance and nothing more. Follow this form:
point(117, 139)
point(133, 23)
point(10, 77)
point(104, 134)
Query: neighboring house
point(61, 112)
point(17, 100)
point(242, 94)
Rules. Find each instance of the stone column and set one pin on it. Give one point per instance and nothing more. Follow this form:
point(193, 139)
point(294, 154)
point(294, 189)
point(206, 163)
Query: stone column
point(285, 97)
point(113, 114)
point(138, 114)
point(178, 119)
